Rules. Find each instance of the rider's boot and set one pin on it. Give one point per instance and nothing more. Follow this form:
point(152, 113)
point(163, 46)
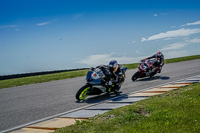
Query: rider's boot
point(109, 87)
point(116, 89)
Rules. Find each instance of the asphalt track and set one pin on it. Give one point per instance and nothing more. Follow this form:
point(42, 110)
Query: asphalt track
point(25, 104)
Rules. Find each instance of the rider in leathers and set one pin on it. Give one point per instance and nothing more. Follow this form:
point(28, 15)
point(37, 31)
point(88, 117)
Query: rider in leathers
point(159, 63)
point(112, 72)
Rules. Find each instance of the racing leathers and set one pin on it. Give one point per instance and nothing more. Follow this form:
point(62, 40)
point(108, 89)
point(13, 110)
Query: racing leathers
point(111, 77)
point(159, 62)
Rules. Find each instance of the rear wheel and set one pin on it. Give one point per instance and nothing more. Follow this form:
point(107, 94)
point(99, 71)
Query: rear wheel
point(82, 92)
point(135, 76)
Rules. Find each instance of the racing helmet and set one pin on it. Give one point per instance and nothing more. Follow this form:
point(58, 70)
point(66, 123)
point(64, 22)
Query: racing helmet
point(159, 54)
point(114, 65)
point(159, 57)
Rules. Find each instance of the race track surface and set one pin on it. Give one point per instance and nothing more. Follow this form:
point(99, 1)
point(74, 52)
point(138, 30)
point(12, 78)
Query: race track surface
point(25, 104)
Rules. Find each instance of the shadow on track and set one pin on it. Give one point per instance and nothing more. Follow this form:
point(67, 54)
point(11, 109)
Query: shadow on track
point(153, 78)
point(99, 98)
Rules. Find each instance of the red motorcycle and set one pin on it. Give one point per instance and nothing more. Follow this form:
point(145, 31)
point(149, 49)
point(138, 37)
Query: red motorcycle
point(145, 69)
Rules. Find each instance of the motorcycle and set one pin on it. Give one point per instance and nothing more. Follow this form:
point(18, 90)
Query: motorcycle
point(96, 83)
point(145, 69)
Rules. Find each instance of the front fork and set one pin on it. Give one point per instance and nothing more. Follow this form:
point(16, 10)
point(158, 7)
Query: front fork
point(90, 90)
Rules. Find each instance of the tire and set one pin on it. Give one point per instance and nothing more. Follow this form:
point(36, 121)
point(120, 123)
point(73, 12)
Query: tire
point(135, 76)
point(151, 75)
point(82, 92)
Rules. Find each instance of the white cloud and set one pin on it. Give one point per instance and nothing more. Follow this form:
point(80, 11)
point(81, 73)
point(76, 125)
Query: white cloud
point(195, 40)
point(176, 46)
point(168, 38)
point(155, 15)
point(143, 39)
point(95, 60)
point(195, 23)
point(42, 24)
point(171, 34)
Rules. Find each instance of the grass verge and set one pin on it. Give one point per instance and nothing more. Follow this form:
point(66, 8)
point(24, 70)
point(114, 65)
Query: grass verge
point(40, 79)
point(175, 111)
point(64, 75)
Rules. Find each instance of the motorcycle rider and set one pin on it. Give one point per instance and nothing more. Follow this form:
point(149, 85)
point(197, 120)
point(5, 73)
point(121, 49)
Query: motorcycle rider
point(159, 63)
point(115, 69)
point(112, 72)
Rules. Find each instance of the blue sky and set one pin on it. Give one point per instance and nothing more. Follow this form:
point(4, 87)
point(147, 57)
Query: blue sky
point(50, 35)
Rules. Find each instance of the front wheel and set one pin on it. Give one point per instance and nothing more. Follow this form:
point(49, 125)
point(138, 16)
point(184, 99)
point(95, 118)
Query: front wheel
point(152, 74)
point(82, 92)
point(135, 76)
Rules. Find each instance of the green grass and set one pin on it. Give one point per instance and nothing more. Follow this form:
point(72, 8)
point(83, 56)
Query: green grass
point(131, 66)
point(182, 59)
point(72, 74)
point(40, 79)
point(175, 111)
